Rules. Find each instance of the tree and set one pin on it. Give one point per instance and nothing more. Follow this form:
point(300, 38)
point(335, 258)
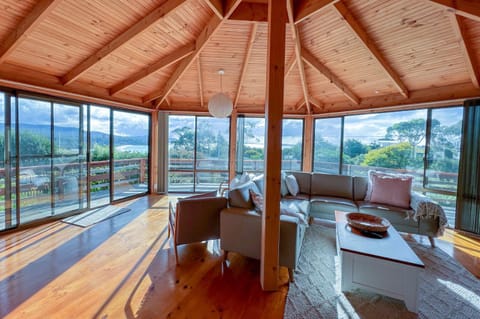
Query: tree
point(354, 148)
point(392, 156)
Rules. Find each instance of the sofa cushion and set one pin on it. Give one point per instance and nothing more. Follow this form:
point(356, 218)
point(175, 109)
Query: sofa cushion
point(360, 185)
point(240, 196)
point(397, 216)
point(303, 180)
point(292, 185)
point(392, 190)
point(332, 185)
point(315, 200)
point(283, 184)
point(257, 200)
point(300, 196)
point(260, 182)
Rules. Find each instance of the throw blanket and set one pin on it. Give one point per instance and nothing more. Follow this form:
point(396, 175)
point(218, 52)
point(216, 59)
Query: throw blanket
point(423, 207)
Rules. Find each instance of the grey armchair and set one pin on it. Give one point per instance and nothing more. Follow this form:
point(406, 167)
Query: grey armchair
point(194, 220)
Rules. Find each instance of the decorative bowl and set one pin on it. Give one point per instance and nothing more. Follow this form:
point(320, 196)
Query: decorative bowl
point(367, 222)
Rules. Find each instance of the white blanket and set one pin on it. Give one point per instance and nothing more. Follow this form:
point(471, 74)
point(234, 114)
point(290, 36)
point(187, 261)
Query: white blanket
point(423, 207)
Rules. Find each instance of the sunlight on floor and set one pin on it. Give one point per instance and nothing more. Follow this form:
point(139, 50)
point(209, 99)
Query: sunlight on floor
point(461, 291)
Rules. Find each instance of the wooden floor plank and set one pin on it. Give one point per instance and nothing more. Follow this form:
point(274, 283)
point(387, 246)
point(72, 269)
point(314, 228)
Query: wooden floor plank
point(124, 267)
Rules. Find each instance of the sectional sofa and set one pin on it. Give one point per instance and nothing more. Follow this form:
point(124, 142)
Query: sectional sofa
point(240, 223)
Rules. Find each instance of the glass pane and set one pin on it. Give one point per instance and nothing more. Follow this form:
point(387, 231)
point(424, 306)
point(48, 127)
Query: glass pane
point(180, 182)
point(181, 142)
point(2, 162)
point(326, 148)
point(130, 153)
point(99, 156)
point(66, 163)
point(393, 141)
point(35, 159)
point(209, 181)
point(212, 143)
point(292, 144)
point(444, 155)
point(253, 145)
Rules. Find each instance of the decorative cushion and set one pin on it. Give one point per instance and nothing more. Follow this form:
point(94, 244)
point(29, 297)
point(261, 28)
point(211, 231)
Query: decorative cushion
point(283, 185)
point(391, 189)
point(257, 200)
point(237, 181)
point(259, 181)
point(240, 196)
point(292, 185)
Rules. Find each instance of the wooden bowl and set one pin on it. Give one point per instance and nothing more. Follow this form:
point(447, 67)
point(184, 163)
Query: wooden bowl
point(367, 222)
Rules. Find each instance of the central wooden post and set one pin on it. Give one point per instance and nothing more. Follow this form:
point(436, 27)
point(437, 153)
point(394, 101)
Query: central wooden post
point(273, 151)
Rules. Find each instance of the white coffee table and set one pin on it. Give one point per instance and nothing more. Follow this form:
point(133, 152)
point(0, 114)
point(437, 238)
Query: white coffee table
point(387, 266)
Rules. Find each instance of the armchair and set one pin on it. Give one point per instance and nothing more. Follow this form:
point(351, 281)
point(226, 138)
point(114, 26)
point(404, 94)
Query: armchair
point(194, 219)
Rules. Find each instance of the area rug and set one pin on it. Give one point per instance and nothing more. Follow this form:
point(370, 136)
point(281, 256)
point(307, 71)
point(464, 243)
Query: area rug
point(446, 288)
point(95, 216)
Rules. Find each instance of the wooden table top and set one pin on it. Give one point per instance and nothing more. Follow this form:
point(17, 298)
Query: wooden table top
point(392, 247)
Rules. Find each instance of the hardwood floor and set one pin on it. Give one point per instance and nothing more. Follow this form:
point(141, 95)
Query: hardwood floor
point(125, 268)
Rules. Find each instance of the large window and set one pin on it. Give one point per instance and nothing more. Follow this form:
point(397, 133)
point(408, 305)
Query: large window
point(327, 144)
point(198, 150)
point(424, 143)
point(251, 144)
point(45, 168)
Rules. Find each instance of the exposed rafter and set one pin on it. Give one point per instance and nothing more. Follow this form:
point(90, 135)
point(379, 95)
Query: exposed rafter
point(26, 26)
point(290, 65)
point(357, 29)
point(299, 105)
point(164, 62)
point(466, 8)
point(315, 102)
point(467, 51)
point(216, 6)
point(298, 53)
point(122, 39)
point(251, 40)
point(307, 8)
point(200, 81)
point(317, 65)
point(207, 33)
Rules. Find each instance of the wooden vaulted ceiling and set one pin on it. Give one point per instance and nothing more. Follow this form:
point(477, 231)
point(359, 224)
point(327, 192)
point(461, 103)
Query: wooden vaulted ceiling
point(165, 54)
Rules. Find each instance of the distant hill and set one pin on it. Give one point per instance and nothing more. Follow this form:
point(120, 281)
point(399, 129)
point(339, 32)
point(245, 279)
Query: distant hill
point(67, 137)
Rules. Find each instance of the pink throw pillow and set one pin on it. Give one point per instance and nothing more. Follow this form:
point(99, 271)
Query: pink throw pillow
point(391, 190)
point(257, 200)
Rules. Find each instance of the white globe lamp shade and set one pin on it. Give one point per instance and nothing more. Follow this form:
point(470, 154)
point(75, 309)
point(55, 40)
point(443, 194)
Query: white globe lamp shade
point(220, 105)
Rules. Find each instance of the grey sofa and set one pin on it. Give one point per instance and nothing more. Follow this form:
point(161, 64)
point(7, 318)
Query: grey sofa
point(240, 224)
point(328, 193)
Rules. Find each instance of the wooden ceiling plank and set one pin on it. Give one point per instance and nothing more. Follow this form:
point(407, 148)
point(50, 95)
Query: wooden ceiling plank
point(367, 42)
point(139, 27)
point(216, 6)
point(26, 27)
point(248, 11)
point(200, 81)
point(298, 53)
point(317, 65)
point(467, 8)
point(307, 8)
point(164, 62)
point(290, 65)
point(251, 40)
point(210, 29)
point(467, 51)
point(315, 102)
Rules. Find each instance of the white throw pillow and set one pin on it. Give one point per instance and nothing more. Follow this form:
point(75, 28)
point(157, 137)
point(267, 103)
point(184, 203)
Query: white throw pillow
point(292, 185)
point(283, 185)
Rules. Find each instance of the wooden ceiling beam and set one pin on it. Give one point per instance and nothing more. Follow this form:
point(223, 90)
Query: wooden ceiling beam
point(307, 8)
point(370, 46)
point(248, 11)
point(139, 27)
point(315, 102)
point(467, 51)
point(164, 62)
point(26, 27)
point(210, 29)
point(216, 6)
point(317, 65)
point(467, 8)
point(200, 81)
point(298, 53)
point(251, 40)
point(290, 65)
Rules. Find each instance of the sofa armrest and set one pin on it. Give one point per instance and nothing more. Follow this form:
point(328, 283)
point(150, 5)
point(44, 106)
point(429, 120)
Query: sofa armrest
point(241, 232)
point(425, 208)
